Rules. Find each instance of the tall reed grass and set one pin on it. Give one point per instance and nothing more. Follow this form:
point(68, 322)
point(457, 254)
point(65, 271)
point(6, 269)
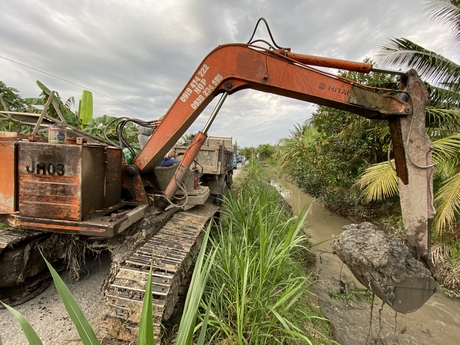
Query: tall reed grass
point(257, 289)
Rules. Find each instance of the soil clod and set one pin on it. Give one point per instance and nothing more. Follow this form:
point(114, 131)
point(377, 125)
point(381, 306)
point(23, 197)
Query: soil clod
point(385, 266)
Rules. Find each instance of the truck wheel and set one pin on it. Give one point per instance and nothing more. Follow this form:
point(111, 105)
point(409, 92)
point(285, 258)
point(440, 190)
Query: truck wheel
point(218, 199)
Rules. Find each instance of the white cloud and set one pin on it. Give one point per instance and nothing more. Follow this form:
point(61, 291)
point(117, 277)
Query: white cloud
point(143, 53)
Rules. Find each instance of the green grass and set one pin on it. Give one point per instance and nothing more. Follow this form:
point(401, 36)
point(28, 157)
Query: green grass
point(187, 326)
point(257, 291)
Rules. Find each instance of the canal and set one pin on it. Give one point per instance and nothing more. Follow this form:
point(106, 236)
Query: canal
point(353, 318)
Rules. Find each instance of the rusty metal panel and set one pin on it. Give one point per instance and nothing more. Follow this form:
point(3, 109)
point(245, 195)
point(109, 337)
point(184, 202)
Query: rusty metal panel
point(113, 176)
point(107, 223)
point(93, 179)
point(7, 176)
point(59, 181)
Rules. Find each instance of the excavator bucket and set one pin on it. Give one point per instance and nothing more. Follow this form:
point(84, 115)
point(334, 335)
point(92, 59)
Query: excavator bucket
point(386, 266)
point(415, 168)
point(400, 274)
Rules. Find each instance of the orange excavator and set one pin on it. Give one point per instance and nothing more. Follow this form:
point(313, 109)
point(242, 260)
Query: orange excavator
point(89, 190)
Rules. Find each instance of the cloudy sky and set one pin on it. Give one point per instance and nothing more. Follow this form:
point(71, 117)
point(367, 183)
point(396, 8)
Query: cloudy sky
point(137, 56)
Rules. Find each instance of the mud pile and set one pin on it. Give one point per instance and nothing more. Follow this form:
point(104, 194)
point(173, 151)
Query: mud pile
point(385, 266)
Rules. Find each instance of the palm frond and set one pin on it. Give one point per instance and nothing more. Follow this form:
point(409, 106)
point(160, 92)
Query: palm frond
point(446, 149)
point(445, 120)
point(379, 182)
point(445, 11)
point(403, 53)
point(297, 144)
point(444, 97)
point(447, 203)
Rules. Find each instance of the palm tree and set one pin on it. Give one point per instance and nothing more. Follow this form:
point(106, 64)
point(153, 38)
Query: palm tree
point(296, 145)
point(443, 117)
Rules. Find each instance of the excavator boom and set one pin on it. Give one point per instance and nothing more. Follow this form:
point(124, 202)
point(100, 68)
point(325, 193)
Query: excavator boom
point(233, 67)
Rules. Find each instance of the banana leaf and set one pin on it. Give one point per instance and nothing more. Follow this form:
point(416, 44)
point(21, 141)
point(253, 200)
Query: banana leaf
point(85, 109)
point(33, 101)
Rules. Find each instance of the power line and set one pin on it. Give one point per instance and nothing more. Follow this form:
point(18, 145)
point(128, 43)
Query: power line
point(83, 87)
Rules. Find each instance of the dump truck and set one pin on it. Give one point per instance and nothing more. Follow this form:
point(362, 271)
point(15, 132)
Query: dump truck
point(62, 196)
point(214, 162)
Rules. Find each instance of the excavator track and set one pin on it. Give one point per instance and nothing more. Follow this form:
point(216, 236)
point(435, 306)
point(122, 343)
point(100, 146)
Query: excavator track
point(171, 248)
point(22, 276)
point(9, 237)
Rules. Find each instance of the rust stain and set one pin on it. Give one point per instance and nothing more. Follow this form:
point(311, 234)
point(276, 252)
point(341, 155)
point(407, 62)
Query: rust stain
point(8, 176)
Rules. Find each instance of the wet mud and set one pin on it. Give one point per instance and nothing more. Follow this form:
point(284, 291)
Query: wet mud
point(385, 265)
point(354, 319)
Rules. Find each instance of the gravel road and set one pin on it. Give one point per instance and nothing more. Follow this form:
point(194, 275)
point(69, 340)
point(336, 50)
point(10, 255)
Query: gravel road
point(47, 314)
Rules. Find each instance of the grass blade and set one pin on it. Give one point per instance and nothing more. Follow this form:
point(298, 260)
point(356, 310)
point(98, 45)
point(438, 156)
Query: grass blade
point(204, 327)
point(29, 332)
point(145, 336)
point(195, 292)
point(87, 335)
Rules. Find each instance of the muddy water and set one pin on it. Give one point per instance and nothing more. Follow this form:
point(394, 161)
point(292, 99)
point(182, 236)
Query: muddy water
point(360, 322)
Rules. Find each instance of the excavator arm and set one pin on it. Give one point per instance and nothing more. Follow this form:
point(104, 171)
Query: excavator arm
point(233, 67)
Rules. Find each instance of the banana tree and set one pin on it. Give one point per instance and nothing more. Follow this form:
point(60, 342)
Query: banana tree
point(79, 119)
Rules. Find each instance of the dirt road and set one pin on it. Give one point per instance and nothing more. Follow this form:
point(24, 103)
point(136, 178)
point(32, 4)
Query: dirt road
point(47, 314)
